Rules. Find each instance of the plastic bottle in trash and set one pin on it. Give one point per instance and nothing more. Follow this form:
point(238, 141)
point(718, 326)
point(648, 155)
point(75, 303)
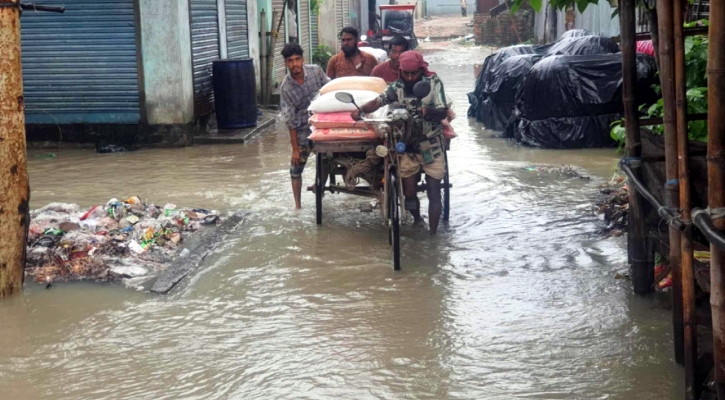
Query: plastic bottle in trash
point(400, 147)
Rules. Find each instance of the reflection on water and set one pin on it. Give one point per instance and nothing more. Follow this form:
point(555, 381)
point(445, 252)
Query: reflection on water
point(515, 299)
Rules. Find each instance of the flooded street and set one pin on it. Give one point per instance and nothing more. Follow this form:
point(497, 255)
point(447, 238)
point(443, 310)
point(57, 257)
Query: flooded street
point(516, 298)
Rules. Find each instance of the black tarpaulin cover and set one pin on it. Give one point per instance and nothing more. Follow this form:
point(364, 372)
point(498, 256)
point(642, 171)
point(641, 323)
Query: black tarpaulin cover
point(569, 101)
point(491, 67)
point(582, 45)
point(575, 33)
point(489, 107)
point(502, 89)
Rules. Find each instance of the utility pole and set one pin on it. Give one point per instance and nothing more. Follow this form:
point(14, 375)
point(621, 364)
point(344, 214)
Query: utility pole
point(14, 187)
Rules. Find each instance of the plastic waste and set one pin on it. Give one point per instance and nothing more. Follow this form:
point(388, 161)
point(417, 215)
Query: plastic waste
point(135, 247)
point(400, 147)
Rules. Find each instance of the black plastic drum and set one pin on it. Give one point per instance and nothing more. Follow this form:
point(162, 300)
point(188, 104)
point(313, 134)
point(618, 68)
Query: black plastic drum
point(235, 93)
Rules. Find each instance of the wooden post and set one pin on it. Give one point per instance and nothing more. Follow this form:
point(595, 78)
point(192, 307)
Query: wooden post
point(14, 190)
point(716, 180)
point(667, 79)
point(642, 271)
point(687, 257)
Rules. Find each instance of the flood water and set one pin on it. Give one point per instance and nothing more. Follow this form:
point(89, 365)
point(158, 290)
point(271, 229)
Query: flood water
point(516, 298)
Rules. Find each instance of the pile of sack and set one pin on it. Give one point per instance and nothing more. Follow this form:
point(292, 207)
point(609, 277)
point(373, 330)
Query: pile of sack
point(331, 119)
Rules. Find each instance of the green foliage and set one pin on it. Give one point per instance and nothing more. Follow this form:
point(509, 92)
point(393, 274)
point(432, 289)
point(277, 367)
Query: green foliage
point(618, 133)
point(315, 5)
point(696, 80)
point(557, 4)
point(321, 56)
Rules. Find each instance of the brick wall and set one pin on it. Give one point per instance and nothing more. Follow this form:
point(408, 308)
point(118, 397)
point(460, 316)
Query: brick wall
point(499, 30)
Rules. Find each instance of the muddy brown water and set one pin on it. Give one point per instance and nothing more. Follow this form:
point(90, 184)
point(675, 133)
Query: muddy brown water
point(516, 298)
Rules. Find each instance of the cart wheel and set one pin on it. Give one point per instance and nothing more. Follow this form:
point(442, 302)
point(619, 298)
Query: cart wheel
point(446, 191)
point(394, 216)
point(318, 189)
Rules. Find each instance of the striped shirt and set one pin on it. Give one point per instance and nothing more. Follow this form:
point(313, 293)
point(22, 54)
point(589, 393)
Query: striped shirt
point(295, 99)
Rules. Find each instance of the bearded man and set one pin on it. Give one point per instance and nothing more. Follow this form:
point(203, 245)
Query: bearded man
point(424, 150)
point(351, 61)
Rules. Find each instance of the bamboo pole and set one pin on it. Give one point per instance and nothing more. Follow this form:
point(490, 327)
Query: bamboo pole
point(688, 264)
point(716, 180)
point(263, 57)
point(667, 79)
point(642, 272)
point(14, 189)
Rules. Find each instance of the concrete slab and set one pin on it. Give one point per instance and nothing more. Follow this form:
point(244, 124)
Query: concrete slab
point(237, 136)
point(207, 243)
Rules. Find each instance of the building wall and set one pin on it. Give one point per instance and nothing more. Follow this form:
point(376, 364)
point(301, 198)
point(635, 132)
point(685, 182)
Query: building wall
point(448, 7)
point(168, 82)
point(253, 16)
point(596, 18)
point(499, 30)
point(327, 27)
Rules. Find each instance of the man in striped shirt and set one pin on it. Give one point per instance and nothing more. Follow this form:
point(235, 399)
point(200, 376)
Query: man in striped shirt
point(298, 88)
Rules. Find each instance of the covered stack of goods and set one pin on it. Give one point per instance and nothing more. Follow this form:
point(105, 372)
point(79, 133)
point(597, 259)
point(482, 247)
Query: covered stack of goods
point(503, 74)
point(331, 119)
point(512, 83)
point(570, 101)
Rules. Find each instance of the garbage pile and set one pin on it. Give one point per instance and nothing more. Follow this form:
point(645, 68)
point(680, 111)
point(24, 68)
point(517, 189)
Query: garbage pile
point(614, 206)
point(498, 103)
point(119, 241)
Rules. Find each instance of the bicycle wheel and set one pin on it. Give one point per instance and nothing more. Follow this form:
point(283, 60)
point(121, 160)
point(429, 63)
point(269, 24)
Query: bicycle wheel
point(394, 218)
point(318, 189)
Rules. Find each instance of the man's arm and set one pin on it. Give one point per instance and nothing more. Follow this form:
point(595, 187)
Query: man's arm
point(437, 110)
point(330, 68)
point(289, 117)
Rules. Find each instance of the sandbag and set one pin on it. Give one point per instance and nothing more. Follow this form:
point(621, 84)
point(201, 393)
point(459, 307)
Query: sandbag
point(335, 120)
point(326, 135)
point(369, 83)
point(379, 54)
point(327, 103)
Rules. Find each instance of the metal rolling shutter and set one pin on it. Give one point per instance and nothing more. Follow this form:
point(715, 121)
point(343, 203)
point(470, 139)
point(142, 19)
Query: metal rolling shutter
point(339, 21)
point(305, 28)
point(346, 12)
point(315, 34)
point(204, 50)
point(279, 67)
point(237, 30)
point(81, 66)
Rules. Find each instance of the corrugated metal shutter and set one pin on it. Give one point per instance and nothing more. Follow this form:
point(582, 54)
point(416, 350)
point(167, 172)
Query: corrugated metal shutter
point(81, 66)
point(237, 30)
point(305, 28)
point(204, 50)
point(315, 35)
point(339, 20)
point(279, 68)
point(346, 12)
